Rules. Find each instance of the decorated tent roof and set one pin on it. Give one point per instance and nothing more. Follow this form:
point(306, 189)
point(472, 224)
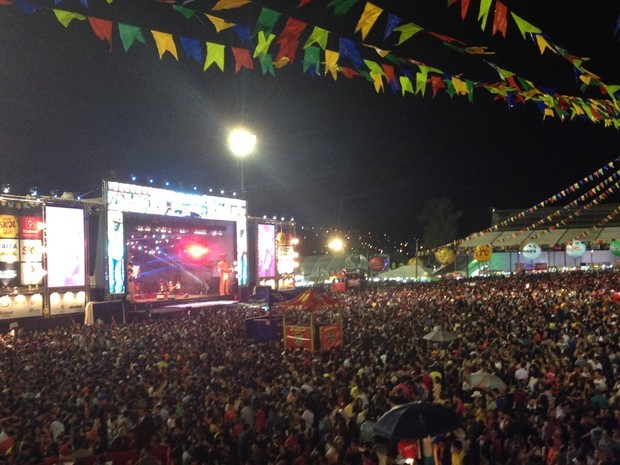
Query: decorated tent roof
point(311, 301)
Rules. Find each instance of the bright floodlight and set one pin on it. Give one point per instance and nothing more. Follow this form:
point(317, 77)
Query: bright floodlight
point(336, 244)
point(241, 142)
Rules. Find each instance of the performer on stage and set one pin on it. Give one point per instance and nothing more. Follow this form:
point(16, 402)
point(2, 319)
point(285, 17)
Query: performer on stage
point(224, 269)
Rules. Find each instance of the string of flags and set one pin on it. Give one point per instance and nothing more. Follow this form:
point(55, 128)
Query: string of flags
point(404, 75)
point(563, 194)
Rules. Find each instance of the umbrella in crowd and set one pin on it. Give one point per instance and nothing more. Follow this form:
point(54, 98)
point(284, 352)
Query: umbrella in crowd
point(486, 381)
point(416, 420)
point(439, 335)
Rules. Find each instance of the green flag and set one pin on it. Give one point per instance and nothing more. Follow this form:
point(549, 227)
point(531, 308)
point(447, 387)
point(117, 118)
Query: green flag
point(129, 34)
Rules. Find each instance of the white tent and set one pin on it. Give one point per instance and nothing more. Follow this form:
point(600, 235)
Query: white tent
point(404, 272)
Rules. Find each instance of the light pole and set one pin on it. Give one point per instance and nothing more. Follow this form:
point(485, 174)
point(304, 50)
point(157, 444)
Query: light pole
point(241, 143)
point(416, 259)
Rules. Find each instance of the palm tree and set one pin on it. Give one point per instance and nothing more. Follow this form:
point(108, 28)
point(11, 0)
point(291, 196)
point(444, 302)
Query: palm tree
point(440, 218)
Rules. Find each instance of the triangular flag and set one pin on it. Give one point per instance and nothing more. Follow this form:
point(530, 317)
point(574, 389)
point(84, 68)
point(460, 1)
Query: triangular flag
point(421, 78)
point(524, 26)
point(229, 4)
point(543, 44)
point(102, 29)
point(165, 43)
point(390, 77)
point(242, 59)
point(407, 31)
point(192, 48)
point(459, 86)
point(65, 17)
point(186, 12)
point(266, 21)
point(311, 60)
point(317, 36)
point(303, 3)
point(392, 22)
point(500, 18)
point(242, 31)
point(263, 45)
point(215, 54)
point(129, 34)
point(266, 64)
point(367, 20)
point(219, 23)
point(437, 83)
point(483, 13)
point(377, 79)
point(464, 8)
point(348, 51)
point(341, 6)
point(26, 7)
point(405, 85)
point(331, 63)
point(289, 39)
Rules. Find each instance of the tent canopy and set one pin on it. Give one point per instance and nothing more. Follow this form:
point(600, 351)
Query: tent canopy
point(311, 301)
point(405, 272)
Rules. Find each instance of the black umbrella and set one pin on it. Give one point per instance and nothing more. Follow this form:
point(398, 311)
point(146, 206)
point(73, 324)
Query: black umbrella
point(416, 420)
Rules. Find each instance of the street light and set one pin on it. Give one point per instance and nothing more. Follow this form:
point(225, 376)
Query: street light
point(336, 245)
point(241, 143)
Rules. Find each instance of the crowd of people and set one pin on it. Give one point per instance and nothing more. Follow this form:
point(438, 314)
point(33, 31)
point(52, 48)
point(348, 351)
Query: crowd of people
point(195, 386)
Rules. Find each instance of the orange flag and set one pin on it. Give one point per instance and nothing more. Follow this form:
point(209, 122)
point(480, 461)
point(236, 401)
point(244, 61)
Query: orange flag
point(242, 59)
point(165, 43)
point(500, 19)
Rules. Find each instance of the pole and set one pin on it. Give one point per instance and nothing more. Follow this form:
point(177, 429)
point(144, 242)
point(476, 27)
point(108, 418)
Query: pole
point(416, 259)
point(242, 180)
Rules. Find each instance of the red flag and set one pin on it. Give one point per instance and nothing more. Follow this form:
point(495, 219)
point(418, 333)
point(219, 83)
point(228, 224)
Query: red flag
point(289, 39)
point(464, 8)
point(303, 3)
point(348, 72)
point(445, 38)
point(500, 20)
point(242, 59)
point(331, 337)
point(102, 29)
point(437, 84)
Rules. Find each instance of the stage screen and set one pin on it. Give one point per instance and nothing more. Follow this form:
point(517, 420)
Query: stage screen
point(266, 245)
point(65, 247)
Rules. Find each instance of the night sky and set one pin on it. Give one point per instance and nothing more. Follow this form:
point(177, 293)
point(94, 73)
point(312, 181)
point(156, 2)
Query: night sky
point(330, 153)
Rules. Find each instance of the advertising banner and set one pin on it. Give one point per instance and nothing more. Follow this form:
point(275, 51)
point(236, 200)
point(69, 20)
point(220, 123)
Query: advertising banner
point(68, 302)
point(65, 247)
point(31, 251)
point(298, 337)
point(9, 273)
point(32, 273)
point(20, 306)
point(331, 337)
point(8, 226)
point(9, 250)
point(266, 245)
point(29, 227)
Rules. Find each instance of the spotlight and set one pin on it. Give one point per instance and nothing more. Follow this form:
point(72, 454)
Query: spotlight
point(54, 192)
point(167, 183)
point(33, 192)
point(6, 188)
point(151, 180)
point(134, 178)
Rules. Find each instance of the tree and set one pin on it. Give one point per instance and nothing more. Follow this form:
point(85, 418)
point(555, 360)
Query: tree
point(440, 218)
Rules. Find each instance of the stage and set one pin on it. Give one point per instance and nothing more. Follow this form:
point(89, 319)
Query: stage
point(178, 307)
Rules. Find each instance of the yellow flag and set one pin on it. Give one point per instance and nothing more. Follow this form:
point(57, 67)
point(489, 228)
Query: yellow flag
point(331, 63)
point(548, 112)
point(459, 86)
point(165, 43)
point(377, 80)
point(219, 23)
point(543, 44)
point(407, 31)
point(263, 44)
point(229, 4)
point(367, 20)
point(215, 54)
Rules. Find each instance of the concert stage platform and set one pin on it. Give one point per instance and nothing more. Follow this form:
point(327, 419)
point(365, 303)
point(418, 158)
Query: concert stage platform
point(177, 308)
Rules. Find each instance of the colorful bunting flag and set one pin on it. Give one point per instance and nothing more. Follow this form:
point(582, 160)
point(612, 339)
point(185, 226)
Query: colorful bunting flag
point(348, 51)
point(266, 21)
point(524, 26)
point(129, 34)
point(242, 59)
point(102, 29)
point(289, 39)
point(65, 17)
point(331, 63)
point(192, 48)
point(483, 12)
point(215, 54)
point(186, 12)
point(367, 20)
point(317, 36)
point(165, 43)
point(219, 23)
point(266, 64)
point(341, 6)
point(407, 31)
point(229, 4)
point(500, 18)
point(391, 23)
point(311, 60)
point(263, 44)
